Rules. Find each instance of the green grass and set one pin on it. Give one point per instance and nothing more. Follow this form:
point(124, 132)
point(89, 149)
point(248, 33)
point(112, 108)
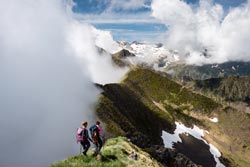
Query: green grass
point(145, 103)
point(156, 87)
point(115, 153)
point(111, 115)
point(145, 96)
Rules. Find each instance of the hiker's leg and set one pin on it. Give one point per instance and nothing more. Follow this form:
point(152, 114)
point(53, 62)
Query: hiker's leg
point(87, 145)
point(83, 146)
point(96, 147)
point(100, 143)
point(82, 143)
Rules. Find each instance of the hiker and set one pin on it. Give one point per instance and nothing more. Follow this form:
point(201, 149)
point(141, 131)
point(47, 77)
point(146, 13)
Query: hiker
point(83, 137)
point(95, 134)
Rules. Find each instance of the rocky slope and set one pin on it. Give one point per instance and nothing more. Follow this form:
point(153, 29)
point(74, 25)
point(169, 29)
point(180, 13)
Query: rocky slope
point(146, 103)
point(119, 58)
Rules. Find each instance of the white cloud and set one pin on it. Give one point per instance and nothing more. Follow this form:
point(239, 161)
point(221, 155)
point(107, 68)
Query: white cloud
point(45, 91)
point(191, 30)
point(111, 16)
point(105, 40)
point(99, 65)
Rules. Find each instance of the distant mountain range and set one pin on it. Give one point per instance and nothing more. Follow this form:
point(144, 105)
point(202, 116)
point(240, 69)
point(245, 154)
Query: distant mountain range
point(159, 58)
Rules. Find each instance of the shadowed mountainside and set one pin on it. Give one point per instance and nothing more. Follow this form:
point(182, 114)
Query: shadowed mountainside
point(146, 103)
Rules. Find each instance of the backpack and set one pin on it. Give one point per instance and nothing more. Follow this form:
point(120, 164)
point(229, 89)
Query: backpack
point(79, 135)
point(93, 132)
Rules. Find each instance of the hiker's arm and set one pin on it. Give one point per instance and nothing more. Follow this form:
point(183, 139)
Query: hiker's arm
point(89, 137)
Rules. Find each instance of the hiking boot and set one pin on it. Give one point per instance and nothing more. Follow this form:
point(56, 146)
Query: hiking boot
point(84, 153)
point(95, 154)
point(99, 157)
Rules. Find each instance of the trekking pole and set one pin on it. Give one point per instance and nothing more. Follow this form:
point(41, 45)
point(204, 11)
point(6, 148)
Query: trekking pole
point(80, 148)
point(103, 140)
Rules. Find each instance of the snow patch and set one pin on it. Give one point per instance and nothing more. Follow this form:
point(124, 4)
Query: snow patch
point(169, 139)
point(215, 120)
point(216, 153)
point(215, 66)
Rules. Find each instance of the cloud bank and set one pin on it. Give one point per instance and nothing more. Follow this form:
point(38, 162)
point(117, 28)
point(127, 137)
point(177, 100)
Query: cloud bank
point(99, 65)
point(46, 90)
point(205, 34)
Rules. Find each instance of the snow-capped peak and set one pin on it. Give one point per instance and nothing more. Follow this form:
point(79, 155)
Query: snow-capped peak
point(155, 55)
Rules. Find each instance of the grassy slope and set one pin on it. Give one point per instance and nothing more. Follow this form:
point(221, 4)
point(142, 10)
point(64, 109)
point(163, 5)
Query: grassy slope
point(139, 98)
point(116, 152)
point(126, 114)
point(145, 96)
point(234, 123)
point(164, 90)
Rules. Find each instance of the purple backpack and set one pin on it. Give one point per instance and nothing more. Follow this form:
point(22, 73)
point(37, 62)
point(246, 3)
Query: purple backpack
point(79, 135)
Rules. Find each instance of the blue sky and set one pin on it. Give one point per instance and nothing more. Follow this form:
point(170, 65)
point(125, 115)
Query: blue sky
point(129, 20)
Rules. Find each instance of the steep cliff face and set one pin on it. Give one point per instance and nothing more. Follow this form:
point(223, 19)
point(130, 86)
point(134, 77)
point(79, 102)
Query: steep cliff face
point(126, 114)
point(146, 103)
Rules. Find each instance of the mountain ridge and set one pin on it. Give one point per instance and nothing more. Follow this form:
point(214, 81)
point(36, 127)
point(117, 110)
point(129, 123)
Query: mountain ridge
point(179, 103)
